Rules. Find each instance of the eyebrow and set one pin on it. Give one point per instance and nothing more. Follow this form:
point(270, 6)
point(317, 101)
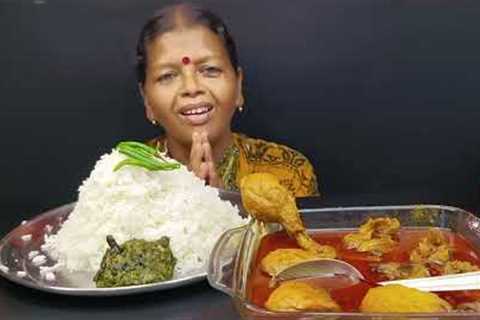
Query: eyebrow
point(161, 65)
point(207, 58)
point(157, 66)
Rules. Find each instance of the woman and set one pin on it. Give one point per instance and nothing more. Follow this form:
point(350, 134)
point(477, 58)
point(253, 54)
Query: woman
point(191, 84)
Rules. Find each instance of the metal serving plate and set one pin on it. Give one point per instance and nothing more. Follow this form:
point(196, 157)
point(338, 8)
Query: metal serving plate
point(14, 252)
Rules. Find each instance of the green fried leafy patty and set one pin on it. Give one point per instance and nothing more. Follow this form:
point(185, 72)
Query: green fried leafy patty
point(135, 262)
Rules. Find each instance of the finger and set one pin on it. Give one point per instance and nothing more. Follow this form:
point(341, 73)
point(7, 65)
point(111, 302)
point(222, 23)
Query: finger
point(196, 153)
point(207, 151)
point(203, 172)
point(204, 136)
point(213, 178)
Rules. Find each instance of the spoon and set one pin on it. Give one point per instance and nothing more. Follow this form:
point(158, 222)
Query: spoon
point(327, 273)
point(336, 274)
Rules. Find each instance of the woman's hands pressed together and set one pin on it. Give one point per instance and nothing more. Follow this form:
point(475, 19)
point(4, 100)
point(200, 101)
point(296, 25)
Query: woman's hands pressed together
point(202, 161)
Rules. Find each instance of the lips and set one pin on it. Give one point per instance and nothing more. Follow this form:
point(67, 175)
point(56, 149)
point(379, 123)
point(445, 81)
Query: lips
point(196, 114)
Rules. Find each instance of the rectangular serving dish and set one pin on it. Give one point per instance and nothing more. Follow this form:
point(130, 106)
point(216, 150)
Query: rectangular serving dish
point(232, 259)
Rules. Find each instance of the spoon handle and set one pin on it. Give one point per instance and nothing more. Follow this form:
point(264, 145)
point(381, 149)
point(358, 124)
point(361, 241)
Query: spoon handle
point(453, 282)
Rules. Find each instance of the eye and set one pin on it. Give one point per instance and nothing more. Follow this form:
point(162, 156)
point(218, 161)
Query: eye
point(166, 77)
point(210, 71)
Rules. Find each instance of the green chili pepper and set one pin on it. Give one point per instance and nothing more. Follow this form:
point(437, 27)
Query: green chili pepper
point(142, 155)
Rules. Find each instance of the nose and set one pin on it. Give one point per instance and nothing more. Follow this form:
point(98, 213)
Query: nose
point(191, 86)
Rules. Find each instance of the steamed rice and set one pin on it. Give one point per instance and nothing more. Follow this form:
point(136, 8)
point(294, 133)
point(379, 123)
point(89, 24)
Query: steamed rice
point(136, 203)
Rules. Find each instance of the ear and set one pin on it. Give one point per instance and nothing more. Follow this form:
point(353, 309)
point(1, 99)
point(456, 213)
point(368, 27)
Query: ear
point(148, 109)
point(240, 99)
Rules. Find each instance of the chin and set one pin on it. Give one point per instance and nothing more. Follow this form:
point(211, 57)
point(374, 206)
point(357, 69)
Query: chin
point(205, 128)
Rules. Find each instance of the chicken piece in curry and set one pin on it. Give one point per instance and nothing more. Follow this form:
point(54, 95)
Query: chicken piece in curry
point(298, 296)
point(457, 266)
point(433, 253)
point(395, 270)
point(398, 298)
point(376, 236)
point(265, 199)
point(433, 249)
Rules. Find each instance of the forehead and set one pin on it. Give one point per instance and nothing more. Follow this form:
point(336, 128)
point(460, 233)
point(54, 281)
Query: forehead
point(194, 42)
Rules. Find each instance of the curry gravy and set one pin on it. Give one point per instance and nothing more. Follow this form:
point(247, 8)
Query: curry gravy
point(350, 298)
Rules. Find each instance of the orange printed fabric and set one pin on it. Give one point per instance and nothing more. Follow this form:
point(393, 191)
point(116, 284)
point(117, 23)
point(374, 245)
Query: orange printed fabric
point(292, 168)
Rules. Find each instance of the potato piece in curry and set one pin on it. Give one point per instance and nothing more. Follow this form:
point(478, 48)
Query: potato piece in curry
point(298, 296)
point(398, 298)
point(265, 199)
point(276, 261)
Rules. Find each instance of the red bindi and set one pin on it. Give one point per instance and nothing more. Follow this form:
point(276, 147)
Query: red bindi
point(185, 60)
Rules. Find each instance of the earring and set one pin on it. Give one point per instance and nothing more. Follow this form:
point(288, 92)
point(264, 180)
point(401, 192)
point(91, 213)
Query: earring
point(154, 122)
point(240, 108)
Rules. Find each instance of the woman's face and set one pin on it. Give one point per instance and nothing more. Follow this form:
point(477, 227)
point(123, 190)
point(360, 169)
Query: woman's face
point(190, 84)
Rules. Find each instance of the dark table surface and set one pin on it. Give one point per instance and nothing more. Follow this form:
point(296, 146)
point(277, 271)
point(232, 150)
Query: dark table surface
point(196, 301)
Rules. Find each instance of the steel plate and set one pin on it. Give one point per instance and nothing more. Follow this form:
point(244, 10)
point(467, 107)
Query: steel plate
point(17, 266)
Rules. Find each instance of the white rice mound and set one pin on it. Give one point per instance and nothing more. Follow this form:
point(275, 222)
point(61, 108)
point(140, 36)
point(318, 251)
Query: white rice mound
point(136, 203)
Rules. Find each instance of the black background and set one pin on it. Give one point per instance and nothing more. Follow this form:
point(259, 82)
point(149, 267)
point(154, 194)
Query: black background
point(382, 96)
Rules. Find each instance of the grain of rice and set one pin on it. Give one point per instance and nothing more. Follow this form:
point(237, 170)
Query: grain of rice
point(39, 260)
point(21, 274)
point(32, 254)
point(50, 276)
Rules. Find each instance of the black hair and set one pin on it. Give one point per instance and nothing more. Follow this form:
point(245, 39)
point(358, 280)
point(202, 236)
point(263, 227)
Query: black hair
point(167, 19)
